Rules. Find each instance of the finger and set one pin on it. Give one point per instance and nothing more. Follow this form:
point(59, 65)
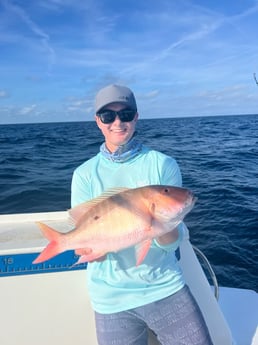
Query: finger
point(83, 251)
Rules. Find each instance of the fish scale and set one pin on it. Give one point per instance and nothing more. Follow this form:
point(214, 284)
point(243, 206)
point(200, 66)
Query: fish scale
point(119, 219)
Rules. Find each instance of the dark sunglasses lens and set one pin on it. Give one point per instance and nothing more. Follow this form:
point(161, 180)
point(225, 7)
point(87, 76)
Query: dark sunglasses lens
point(126, 115)
point(107, 116)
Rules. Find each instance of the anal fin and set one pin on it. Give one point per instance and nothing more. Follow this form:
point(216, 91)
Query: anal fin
point(142, 250)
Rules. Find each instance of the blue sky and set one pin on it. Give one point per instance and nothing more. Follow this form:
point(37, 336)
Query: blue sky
point(180, 57)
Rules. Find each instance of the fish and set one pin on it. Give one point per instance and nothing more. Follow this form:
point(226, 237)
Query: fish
point(118, 219)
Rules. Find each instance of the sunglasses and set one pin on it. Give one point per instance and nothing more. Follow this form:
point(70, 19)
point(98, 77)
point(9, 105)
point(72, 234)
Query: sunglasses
point(109, 116)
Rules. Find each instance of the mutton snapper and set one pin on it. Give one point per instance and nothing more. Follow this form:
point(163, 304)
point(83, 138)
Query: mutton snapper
point(119, 219)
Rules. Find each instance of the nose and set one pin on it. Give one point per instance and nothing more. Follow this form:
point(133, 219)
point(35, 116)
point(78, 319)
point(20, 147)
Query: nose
point(117, 119)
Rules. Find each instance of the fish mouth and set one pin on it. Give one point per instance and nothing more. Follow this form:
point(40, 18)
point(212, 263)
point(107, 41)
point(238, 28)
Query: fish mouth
point(186, 208)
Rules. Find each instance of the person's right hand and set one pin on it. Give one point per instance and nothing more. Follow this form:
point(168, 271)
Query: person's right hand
point(87, 251)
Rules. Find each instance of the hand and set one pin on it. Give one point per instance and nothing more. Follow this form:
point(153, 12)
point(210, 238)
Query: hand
point(169, 237)
point(83, 251)
point(88, 251)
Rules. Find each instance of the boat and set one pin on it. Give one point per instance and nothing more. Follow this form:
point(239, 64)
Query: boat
point(49, 303)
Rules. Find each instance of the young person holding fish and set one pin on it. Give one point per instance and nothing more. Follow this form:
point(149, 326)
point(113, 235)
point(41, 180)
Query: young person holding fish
point(141, 286)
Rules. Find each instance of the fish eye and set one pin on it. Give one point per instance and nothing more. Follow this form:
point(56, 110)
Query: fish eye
point(166, 190)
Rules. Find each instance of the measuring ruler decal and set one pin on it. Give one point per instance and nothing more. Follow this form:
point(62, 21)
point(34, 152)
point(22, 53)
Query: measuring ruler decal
point(21, 264)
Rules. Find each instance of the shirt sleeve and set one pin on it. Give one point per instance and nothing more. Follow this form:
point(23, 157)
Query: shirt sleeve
point(173, 245)
point(170, 173)
point(79, 189)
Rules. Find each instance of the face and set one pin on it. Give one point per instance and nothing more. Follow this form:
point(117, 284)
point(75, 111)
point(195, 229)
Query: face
point(116, 133)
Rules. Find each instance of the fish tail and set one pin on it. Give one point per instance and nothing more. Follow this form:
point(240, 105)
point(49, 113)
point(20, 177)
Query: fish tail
point(54, 247)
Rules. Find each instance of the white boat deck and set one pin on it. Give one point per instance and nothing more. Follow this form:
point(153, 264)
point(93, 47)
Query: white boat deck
point(54, 308)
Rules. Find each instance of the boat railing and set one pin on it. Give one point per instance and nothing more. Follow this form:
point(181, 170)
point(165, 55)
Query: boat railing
point(207, 264)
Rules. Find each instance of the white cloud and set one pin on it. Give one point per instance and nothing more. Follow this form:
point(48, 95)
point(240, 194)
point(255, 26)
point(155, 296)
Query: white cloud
point(44, 39)
point(28, 109)
point(175, 55)
point(4, 94)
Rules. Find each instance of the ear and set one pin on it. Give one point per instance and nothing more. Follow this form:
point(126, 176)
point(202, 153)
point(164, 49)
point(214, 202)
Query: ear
point(97, 119)
point(136, 117)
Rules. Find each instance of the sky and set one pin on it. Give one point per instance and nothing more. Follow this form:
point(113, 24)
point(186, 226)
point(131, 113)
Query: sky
point(180, 57)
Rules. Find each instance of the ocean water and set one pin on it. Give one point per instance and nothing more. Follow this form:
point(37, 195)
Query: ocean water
point(218, 157)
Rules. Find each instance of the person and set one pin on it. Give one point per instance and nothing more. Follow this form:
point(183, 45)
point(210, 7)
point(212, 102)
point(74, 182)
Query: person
point(127, 300)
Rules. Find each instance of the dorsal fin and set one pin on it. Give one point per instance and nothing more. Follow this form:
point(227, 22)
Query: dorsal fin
point(77, 212)
point(111, 191)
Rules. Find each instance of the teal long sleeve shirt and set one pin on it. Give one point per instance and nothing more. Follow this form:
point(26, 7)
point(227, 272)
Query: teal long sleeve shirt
point(116, 284)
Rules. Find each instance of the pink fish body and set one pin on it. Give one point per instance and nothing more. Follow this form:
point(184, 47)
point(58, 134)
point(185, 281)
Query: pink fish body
point(119, 219)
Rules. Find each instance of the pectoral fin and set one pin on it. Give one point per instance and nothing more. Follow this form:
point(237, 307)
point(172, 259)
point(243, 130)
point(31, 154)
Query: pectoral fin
point(142, 250)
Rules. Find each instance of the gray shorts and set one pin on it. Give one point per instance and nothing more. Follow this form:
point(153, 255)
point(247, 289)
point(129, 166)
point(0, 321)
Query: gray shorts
point(176, 320)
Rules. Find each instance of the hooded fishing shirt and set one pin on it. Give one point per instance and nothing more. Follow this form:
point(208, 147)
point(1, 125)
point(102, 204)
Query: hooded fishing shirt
point(116, 284)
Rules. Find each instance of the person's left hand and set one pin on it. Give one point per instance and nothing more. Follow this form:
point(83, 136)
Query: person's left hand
point(169, 237)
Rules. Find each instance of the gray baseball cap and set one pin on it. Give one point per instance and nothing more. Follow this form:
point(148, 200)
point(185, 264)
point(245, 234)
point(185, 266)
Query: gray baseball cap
point(115, 94)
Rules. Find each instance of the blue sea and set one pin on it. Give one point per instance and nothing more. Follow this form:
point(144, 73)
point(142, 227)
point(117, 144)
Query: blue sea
point(218, 157)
